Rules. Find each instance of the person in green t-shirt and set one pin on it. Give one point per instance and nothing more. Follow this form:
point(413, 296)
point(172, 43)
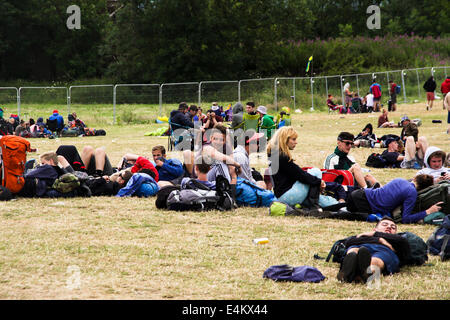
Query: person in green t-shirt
point(266, 121)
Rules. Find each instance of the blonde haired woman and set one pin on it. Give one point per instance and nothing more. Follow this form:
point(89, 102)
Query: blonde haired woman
point(291, 184)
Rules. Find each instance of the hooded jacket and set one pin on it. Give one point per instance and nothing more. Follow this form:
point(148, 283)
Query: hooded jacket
point(436, 173)
point(179, 120)
point(238, 116)
point(445, 86)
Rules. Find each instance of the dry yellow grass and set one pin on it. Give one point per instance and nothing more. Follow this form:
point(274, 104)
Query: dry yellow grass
point(110, 248)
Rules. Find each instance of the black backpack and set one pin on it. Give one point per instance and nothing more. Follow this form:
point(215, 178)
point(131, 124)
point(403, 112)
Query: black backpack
point(376, 160)
point(338, 250)
point(438, 243)
point(163, 194)
point(3, 127)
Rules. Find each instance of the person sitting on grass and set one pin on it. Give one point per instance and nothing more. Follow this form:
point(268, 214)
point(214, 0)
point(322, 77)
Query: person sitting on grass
point(366, 138)
point(398, 192)
point(291, 184)
point(415, 146)
point(392, 155)
point(378, 251)
point(341, 160)
point(434, 165)
point(383, 120)
point(241, 155)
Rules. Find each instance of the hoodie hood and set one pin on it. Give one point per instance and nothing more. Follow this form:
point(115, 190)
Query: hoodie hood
point(429, 151)
point(238, 107)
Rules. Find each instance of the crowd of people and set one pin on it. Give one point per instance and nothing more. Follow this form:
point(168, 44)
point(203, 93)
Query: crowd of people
point(53, 127)
point(223, 144)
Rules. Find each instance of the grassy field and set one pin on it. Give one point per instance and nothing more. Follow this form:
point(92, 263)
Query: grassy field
point(111, 248)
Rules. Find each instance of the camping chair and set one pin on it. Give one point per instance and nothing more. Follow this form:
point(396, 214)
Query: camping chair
point(356, 106)
point(173, 141)
point(52, 125)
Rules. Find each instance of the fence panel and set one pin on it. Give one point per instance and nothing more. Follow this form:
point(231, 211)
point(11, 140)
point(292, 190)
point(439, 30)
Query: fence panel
point(285, 93)
point(223, 92)
point(9, 99)
point(129, 98)
point(440, 74)
point(35, 102)
point(92, 103)
point(171, 94)
point(261, 91)
point(412, 85)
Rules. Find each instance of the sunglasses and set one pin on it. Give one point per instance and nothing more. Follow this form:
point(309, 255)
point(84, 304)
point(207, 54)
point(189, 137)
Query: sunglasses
point(348, 143)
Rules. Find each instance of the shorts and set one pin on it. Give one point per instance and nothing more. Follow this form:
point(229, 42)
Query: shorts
point(390, 259)
point(430, 96)
point(107, 169)
point(393, 97)
point(218, 169)
point(377, 99)
point(357, 202)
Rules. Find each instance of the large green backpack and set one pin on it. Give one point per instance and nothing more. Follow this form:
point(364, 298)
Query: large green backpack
point(439, 192)
point(419, 249)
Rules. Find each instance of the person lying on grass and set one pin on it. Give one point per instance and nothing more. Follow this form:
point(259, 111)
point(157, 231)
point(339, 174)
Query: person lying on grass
point(398, 192)
point(378, 251)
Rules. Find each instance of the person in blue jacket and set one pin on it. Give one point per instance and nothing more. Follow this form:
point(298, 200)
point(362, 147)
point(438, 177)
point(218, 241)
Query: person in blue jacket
point(168, 169)
point(398, 192)
point(59, 118)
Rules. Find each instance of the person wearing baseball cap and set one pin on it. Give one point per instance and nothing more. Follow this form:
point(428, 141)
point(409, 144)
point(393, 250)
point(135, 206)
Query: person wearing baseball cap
point(415, 146)
point(267, 122)
point(59, 121)
point(391, 154)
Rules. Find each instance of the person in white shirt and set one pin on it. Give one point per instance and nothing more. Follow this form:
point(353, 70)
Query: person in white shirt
point(369, 102)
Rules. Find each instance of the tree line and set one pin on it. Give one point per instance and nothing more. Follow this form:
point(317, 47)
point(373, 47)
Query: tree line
point(155, 41)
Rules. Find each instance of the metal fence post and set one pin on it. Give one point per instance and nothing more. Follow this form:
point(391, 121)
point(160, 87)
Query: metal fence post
point(160, 99)
point(403, 84)
point(200, 94)
point(114, 103)
point(342, 91)
point(418, 83)
point(239, 91)
point(293, 89)
point(312, 94)
point(275, 100)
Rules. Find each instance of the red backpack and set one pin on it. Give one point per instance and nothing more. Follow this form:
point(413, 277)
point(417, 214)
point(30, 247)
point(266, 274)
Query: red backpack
point(13, 155)
point(376, 91)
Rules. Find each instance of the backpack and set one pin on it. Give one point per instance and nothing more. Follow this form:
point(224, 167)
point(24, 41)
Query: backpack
point(3, 127)
point(163, 194)
point(192, 200)
point(248, 194)
point(438, 243)
point(338, 250)
point(13, 155)
point(433, 194)
point(376, 91)
point(419, 248)
point(343, 177)
point(66, 183)
point(100, 132)
point(280, 209)
point(376, 160)
point(398, 89)
point(5, 194)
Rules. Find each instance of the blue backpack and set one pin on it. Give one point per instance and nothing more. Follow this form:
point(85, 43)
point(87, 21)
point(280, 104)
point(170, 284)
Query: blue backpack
point(397, 89)
point(248, 194)
point(438, 243)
